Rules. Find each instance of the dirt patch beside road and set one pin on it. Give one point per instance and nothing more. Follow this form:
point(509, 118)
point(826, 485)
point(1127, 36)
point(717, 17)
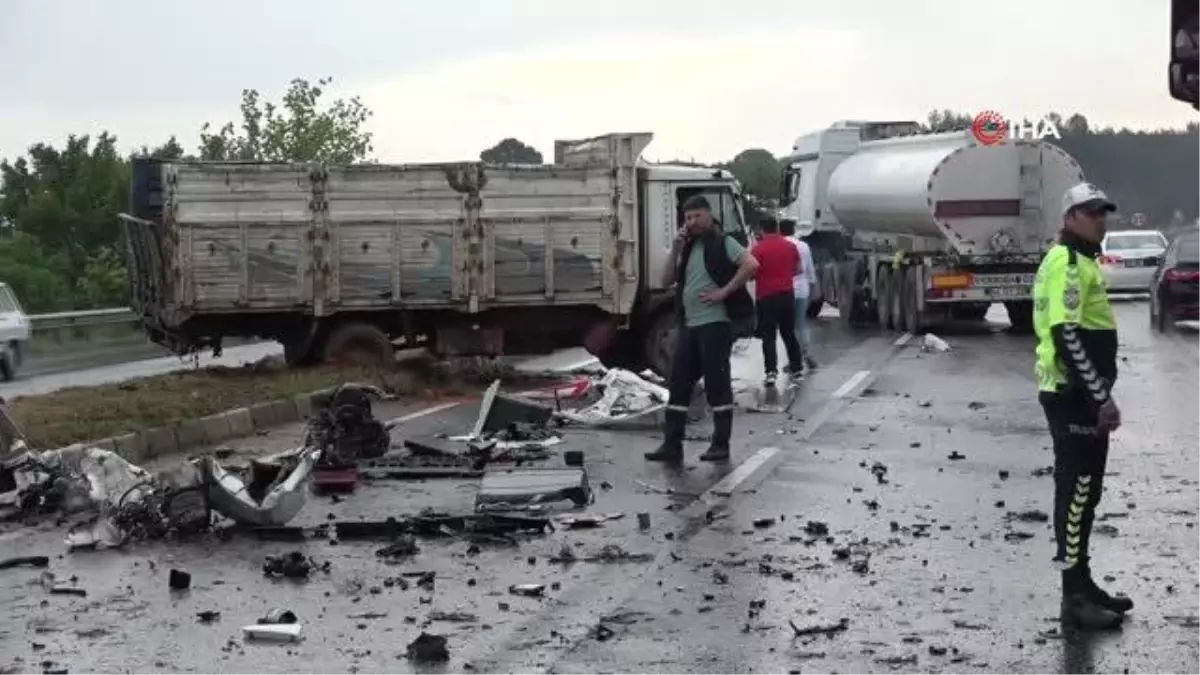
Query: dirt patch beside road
point(88, 413)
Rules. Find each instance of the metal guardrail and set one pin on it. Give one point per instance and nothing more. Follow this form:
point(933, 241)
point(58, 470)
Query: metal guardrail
point(90, 318)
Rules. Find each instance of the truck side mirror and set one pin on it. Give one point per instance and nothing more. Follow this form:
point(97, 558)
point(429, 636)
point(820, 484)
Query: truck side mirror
point(1183, 75)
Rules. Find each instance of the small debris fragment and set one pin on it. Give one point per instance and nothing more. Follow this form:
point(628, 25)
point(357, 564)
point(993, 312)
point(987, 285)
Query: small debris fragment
point(25, 561)
point(816, 528)
point(528, 590)
point(178, 580)
point(453, 617)
point(1003, 474)
point(1106, 530)
point(403, 547)
point(820, 629)
point(1030, 516)
point(956, 455)
point(428, 648)
point(976, 405)
point(1017, 535)
point(207, 616)
point(761, 523)
point(601, 632)
point(293, 565)
point(643, 521)
point(1044, 471)
point(935, 650)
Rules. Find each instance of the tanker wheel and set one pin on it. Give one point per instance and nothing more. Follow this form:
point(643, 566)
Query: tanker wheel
point(359, 344)
point(1020, 315)
point(912, 290)
point(845, 293)
point(883, 296)
point(897, 300)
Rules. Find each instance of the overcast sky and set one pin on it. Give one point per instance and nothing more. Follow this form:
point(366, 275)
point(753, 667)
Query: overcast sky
point(447, 79)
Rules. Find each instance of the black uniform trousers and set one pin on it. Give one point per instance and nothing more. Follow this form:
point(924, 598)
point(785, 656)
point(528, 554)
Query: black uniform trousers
point(1080, 458)
point(701, 351)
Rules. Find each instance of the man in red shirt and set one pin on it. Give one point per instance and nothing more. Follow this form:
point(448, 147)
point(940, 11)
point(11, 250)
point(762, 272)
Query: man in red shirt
point(778, 261)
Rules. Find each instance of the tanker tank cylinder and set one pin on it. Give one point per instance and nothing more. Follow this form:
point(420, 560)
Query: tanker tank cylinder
point(945, 187)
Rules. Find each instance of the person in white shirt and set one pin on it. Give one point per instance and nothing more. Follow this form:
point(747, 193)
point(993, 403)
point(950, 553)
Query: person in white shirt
point(802, 284)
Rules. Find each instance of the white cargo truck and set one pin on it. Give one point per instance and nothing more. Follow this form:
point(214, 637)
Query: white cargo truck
point(908, 228)
point(345, 262)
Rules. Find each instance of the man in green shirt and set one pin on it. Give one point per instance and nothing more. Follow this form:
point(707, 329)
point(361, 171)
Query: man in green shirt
point(1076, 369)
point(709, 270)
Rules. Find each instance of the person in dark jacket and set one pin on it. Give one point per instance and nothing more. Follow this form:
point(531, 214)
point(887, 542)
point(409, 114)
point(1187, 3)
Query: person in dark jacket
point(709, 271)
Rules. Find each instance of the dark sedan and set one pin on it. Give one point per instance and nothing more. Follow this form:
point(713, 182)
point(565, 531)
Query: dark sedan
point(1175, 288)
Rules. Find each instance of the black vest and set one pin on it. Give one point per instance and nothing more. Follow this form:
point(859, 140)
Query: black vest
point(739, 305)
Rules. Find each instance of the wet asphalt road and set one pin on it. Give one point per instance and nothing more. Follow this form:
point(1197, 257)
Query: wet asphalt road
point(988, 601)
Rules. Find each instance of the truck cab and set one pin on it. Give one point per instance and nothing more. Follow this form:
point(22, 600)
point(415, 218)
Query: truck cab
point(646, 338)
point(14, 334)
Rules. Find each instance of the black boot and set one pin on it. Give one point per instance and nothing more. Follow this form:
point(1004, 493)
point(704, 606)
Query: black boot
point(718, 451)
point(1118, 603)
point(1079, 610)
point(671, 449)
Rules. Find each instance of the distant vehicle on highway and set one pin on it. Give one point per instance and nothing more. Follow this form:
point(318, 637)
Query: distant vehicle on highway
point(14, 334)
point(1175, 285)
point(1130, 257)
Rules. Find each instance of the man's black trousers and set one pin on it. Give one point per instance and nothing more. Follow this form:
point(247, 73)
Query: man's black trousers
point(701, 351)
point(777, 316)
point(1080, 458)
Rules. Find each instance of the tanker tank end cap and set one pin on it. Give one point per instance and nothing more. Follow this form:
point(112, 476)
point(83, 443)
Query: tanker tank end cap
point(1089, 195)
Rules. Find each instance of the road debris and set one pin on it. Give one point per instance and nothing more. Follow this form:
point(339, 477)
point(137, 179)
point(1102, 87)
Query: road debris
point(532, 489)
point(293, 565)
point(1030, 516)
point(625, 399)
point(643, 520)
point(820, 629)
point(178, 580)
point(277, 632)
point(403, 547)
point(528, 590)
point(428, 648)
point(955, 456)
point(275, 493)
point(25, 561)
point(933, 343)
point(208, 616)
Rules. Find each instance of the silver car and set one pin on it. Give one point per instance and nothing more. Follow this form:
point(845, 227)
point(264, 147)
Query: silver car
point(1130, 258)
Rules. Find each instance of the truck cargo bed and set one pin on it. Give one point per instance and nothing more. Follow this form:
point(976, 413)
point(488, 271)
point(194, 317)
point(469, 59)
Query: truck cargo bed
point(235, 238)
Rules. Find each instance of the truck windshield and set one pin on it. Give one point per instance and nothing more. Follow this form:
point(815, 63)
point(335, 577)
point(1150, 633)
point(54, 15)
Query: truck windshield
point(8, 301)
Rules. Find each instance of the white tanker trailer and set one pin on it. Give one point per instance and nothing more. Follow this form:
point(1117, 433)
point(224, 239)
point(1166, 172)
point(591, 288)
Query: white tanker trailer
point(908, 229)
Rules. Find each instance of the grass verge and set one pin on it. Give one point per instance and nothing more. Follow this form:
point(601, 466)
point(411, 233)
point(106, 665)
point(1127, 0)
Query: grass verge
point(92, 413)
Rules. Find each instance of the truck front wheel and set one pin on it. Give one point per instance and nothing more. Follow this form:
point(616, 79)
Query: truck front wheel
point(361, 344)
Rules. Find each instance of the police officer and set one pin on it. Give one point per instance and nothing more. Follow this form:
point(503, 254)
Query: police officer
point(1076, 369)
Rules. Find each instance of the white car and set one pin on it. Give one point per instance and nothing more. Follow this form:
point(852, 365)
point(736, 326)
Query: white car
point(14, 334)
point(1130, 258)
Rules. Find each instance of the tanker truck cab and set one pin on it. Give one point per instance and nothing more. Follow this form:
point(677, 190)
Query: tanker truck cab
point(646, 337)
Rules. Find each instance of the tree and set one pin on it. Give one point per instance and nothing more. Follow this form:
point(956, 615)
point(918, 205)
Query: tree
point(298, 129)
point(511, 151)
point(758, 171)
point(66, 200)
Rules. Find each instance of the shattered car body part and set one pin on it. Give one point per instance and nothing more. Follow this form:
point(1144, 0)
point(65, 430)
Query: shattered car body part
point(292, 565)
point(423, 465)
point(517, 489)
point(574, 388)
point(627, 399)
point(497, 411)
point(274, 496)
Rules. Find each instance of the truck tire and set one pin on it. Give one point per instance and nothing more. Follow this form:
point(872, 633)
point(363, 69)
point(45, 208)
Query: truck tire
point(913, 319)
point(883, 296)
point(8, 372)
point(361, 344)
point(845, 292)
point(658, 344)
point(1020, 315)
point(298, 354)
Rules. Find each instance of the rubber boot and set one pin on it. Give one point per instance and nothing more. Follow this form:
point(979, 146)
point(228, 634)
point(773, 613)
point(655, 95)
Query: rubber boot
point(671, 449)
point(1079, 610)
point(1116, 603)
point(718, 451)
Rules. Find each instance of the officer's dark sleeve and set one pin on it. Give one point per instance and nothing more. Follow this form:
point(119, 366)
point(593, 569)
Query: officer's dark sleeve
point(1066, 296)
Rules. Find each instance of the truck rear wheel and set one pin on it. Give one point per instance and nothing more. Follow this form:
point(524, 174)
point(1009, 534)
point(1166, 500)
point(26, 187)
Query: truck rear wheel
point(659, 343)
point(360, 344)
point(912, 308)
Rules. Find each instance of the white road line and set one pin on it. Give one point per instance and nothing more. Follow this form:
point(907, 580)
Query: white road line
point(729, 484)
point(421, 413)
point(849, 385)
point(902, 340)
